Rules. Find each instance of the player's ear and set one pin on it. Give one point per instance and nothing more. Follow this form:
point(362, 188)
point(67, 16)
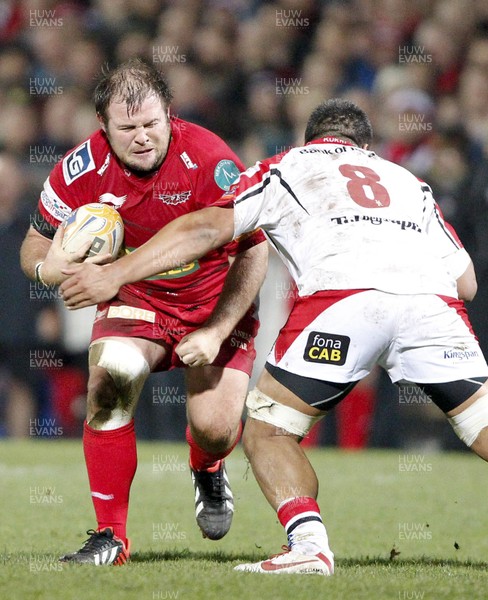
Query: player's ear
point(101, 121)
point(365, 146)
point(167, 109)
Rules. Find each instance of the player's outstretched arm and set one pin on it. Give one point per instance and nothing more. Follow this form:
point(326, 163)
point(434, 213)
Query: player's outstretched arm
point(185, 239)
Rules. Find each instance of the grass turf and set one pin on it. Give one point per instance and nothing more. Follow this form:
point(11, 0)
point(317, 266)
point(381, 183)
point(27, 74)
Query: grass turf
point(403, 526)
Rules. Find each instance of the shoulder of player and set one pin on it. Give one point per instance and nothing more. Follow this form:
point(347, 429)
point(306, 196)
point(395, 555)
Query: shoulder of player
point(401, 171)
point(197, 145)
point(424, 185)
point(87, 158)
point(274, 165)
point(192, 134)
point(256, 177)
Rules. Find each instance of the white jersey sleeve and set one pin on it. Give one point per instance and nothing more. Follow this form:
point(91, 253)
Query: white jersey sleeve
point(343, 218)
point(457, 262)
point(255, 197)
point(444, 238)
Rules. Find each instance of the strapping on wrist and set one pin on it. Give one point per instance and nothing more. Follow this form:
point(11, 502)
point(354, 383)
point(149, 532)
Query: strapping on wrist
point(37, 271)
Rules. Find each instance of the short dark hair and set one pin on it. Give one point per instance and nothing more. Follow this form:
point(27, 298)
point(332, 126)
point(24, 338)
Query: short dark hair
point(336, 117)
point(130, 82)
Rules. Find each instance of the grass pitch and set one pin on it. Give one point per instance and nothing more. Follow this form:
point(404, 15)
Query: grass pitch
point(402, 525)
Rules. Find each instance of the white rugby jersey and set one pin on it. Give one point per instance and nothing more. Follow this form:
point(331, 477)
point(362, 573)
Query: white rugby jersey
point(343, 218)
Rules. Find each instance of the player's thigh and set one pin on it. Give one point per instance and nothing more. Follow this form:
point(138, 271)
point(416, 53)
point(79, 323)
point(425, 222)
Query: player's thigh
point(436, 346)
point(215, 396)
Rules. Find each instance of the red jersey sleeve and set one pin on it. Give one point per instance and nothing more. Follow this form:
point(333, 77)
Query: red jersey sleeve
point(72, 182)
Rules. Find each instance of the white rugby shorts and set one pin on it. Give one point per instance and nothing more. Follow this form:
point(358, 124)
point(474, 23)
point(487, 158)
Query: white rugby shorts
point(339, 336)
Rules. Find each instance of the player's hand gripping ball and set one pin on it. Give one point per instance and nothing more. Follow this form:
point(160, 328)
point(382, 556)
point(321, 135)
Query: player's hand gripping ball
point(99, 223)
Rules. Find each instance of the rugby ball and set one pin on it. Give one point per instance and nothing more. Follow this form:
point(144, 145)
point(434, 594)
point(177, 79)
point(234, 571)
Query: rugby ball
point(99, 223)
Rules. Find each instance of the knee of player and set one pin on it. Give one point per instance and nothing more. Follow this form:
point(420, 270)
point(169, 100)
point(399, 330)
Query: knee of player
point(116, 370)
point(102, 391)
point(214, 438)
point(106, 405)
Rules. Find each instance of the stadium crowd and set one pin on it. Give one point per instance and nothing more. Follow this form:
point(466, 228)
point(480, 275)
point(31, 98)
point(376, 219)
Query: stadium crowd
point(251, 71)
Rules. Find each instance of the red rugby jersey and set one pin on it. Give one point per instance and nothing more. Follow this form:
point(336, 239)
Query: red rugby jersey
point(199, 167)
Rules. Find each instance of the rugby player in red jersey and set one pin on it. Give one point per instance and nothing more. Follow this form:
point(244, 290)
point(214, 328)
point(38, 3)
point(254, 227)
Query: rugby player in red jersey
point(152, 168)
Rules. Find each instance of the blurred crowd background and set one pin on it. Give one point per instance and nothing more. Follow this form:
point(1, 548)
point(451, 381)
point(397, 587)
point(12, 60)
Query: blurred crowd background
point(251, 71)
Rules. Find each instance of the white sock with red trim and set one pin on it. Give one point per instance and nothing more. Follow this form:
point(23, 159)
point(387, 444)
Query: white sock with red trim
point(300, 516)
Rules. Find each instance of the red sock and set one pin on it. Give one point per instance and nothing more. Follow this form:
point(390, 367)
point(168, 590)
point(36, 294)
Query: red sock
point(297, 509)
point(111, 462)
point(201, 460)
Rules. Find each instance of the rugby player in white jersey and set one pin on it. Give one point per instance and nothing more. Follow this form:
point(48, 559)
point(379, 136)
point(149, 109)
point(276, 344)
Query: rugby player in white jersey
point(381, 279)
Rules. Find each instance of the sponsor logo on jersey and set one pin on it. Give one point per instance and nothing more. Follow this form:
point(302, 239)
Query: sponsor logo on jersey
point(103, 168)
point(330, 139)
point(178, 272)
point(337, 150)
point(55, 206)
point(77, 163)
point(109, 198)
point(225, 174)
point(188, 161)
point(326, 348)
point(175, 273)
point(404, 225)
point(173, 199)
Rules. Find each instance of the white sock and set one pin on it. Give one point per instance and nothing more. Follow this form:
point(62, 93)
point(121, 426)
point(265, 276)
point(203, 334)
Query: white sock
point(310, 538)
point(304, 527)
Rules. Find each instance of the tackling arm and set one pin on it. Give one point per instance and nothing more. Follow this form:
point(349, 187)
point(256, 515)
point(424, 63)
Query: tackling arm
point(185, 239)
